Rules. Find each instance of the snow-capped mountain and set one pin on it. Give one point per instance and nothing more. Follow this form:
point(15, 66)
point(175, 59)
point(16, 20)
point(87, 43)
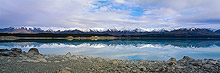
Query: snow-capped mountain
point(136, 31)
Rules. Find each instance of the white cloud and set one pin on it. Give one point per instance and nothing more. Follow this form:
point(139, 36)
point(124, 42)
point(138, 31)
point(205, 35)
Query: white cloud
point(120, 1)
point(112, 13)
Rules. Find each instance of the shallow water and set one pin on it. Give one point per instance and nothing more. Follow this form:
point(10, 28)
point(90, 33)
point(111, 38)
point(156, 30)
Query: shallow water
point(123, 49)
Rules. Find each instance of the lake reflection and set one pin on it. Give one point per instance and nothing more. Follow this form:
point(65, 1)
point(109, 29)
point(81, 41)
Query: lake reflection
point(124, 49)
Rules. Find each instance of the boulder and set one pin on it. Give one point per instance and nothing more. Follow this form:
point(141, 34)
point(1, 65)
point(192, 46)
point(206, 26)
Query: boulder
point(68, 54)
point(187, 59)
point(171, 61)
point(6, 52)
point(33, 51)
point(3, 50)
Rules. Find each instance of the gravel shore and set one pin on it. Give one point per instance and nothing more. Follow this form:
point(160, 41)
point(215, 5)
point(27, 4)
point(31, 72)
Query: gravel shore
point(18, 61)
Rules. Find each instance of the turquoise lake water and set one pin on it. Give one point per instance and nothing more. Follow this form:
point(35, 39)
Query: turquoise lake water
point(123, 49)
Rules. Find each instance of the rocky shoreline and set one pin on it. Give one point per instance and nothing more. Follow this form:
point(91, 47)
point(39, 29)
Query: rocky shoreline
point(16, 61)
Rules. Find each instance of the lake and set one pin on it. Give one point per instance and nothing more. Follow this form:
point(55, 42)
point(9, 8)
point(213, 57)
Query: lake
point(123, 49)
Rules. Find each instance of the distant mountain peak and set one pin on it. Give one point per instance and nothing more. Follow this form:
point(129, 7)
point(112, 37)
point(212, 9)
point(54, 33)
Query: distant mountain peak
point(136, 31)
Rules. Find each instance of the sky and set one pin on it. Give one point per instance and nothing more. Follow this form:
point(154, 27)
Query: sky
point(105, 14)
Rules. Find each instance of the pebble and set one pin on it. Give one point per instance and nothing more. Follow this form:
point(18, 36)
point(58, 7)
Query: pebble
point(30, 60)
point(64, 70)
point(46, 57)
point(9, 60)
point(99, 59)
point(114, 62)
point(207, 66)
point(72, 58)
point(56, 61)
point(142, 68)
point(42, 60)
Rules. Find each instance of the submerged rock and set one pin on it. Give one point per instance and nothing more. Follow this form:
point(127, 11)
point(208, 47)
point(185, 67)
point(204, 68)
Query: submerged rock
point(33, 51)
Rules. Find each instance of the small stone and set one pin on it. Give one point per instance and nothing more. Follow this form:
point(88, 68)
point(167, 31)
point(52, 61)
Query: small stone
point(9, 60)
point(19, 61)
point(99, 59)
point(207, 66)
point(180, 67)
point(33, 51)
point(73, 58)
point(88, 61)
point(156, 70)
point(42, 60)
point(67, 68)
point(88, 57)
point(114, 62)
point(64, 70)
point(204, 61)
point(34, 57)
point(134, 71)
point(142, 68)
point(213, 62)
point(68, 54)
point(108, 60)
point(101, 71)
point(30, 60)
point(56, 61)
point(46, 57)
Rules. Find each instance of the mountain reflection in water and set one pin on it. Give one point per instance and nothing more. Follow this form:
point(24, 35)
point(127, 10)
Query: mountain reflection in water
point(123, 49)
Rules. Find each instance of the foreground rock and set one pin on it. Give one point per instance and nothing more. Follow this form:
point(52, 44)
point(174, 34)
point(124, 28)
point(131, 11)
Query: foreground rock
point(38, 63)
point(33, 51)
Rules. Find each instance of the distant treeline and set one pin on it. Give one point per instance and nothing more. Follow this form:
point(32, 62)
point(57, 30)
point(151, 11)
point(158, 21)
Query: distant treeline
point(50, 35)
point(146, 36)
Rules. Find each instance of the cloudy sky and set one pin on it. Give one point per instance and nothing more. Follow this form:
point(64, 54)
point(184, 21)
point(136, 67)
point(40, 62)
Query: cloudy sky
point(103, 14)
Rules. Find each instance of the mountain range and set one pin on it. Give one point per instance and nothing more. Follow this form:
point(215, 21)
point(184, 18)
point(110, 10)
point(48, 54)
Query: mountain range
point(137, 31)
